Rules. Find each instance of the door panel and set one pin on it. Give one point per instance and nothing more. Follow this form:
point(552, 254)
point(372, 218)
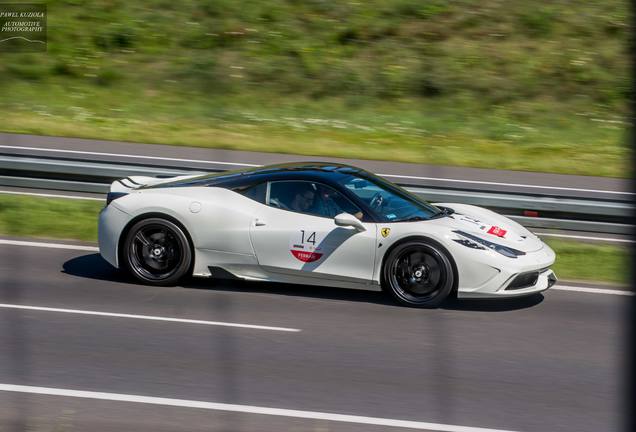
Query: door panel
point(312, 246)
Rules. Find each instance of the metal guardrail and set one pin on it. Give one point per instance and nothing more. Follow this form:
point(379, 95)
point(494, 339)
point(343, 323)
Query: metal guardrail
point(52, 184)
point(98, 170)
point(526, 202)
point(84, 176)
point(574, 225)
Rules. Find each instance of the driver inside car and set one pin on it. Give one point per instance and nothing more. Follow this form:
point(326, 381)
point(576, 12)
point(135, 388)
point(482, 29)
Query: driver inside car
point(303, 201)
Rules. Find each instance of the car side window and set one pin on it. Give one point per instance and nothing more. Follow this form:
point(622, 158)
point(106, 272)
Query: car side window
point(256, 192)
point(310, 198)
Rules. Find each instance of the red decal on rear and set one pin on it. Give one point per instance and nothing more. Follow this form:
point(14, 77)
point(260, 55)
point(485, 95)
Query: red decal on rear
point(306, 256)
point(494, 230)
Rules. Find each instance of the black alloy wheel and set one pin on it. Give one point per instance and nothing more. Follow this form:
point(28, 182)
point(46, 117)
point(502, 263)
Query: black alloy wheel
point(157, 252)
point(419, 274)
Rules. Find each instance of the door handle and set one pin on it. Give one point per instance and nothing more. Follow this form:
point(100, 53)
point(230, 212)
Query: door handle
point(259, 222)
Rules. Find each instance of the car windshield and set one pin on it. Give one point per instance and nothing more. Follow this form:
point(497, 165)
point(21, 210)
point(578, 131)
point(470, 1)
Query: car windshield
point(389, 201)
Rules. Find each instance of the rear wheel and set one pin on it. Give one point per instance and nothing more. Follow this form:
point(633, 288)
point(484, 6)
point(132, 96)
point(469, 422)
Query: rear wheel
point(156, 252)
point(418, 273)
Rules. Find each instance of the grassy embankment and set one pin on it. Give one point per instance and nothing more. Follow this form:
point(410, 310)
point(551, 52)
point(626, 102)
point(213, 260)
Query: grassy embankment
point(539, 86)
point(77, 220)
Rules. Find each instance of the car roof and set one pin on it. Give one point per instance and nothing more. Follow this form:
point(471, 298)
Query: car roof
point(328, 172)
point(310, 168)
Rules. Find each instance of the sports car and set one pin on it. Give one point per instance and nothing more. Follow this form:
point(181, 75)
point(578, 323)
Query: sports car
point(318, 223)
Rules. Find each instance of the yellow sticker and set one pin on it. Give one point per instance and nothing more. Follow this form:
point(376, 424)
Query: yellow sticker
point(385, 232)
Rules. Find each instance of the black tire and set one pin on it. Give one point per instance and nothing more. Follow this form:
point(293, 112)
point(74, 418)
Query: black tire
point(156, 252)
point(418, 273)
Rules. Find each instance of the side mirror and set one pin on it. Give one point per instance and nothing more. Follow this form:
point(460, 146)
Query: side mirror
point(346, 219)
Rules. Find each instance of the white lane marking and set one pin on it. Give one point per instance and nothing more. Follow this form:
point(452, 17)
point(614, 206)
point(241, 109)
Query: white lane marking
point(48, 245)
point(257, 165)
point(593, 290)
point(47, 195)
point(127, 156)
point(249, 409)
point(147, 317)
point(604, 239)
point(507, 184)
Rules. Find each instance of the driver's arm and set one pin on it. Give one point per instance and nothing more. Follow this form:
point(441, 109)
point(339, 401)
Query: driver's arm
point(275, 202)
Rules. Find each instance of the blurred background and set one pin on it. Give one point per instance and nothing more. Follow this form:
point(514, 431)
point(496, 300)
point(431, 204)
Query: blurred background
point(539, 86)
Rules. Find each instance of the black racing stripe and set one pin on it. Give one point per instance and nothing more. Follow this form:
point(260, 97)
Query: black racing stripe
point(132, 181)
point(124, 184)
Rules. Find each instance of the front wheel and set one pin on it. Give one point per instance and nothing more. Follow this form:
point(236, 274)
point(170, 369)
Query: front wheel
point(156, 252)
point(418, 274)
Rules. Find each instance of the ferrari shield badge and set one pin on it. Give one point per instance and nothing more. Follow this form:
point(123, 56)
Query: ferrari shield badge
point(385, 232)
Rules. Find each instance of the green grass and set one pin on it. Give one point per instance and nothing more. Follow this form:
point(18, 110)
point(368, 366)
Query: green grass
point(77, 220)
point(55, 218)
point(541, 86)
point(591, 261)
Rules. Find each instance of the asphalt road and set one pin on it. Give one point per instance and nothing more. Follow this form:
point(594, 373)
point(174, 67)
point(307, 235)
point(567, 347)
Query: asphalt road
point(547, 363)
point(403, 173)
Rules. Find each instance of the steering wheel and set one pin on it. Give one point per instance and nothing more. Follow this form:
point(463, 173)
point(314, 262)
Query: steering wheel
point(376, 201)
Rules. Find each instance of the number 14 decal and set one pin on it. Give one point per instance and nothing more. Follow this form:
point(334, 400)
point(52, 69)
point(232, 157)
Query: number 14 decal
point(311, 238)
point(305, 250)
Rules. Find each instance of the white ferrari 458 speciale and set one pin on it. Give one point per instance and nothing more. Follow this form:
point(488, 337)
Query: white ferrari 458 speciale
point(320, 224)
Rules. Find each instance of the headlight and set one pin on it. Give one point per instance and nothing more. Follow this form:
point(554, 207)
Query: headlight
point(469, 243)
point(474, 242)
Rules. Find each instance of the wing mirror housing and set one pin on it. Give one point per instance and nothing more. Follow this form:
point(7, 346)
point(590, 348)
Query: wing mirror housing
point(349, 220)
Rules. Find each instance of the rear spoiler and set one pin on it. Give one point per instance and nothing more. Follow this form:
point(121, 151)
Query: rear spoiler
point(122, 187)
point(131, 183)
